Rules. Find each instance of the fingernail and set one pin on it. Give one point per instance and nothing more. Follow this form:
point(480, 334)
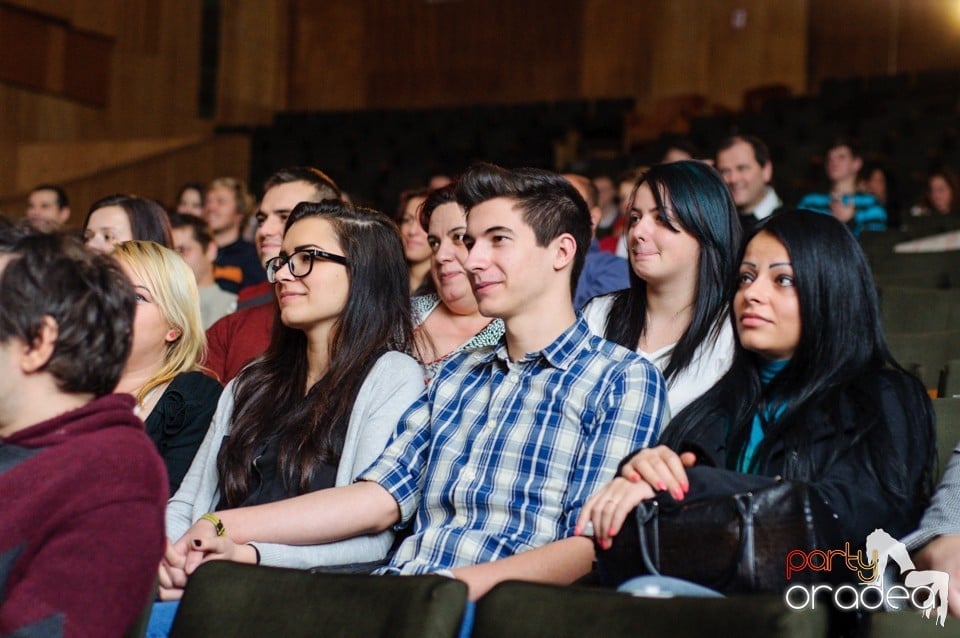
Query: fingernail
point(634, 478)
point(610, 532)
point(607, 544)
point(686, 487)
point(661, 486)
point(196, 542)
point(678, 494)
point(576, 531)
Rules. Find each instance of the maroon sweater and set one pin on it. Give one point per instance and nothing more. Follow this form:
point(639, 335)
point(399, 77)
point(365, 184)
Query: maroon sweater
point(238, 338)
point(82, 499)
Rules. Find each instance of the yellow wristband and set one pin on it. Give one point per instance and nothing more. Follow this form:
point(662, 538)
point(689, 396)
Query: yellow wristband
point(217, 523)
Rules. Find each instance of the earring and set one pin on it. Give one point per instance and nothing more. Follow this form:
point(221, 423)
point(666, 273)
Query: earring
point(173, 334)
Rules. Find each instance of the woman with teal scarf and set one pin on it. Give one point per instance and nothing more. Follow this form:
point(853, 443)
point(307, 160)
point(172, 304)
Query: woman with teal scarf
point(813, 395)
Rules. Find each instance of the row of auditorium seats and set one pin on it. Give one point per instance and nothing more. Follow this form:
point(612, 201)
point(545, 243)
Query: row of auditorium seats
point(911, 121)
point(232, 599)
point(375, 154)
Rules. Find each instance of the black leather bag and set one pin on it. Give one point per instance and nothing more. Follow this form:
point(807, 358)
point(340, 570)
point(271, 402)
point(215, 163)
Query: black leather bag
point(733, 543)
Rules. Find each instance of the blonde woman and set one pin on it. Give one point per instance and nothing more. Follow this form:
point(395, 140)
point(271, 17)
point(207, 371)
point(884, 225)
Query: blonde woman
point(174, 398)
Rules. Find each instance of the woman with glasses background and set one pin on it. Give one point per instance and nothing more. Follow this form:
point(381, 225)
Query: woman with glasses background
point(319, 405)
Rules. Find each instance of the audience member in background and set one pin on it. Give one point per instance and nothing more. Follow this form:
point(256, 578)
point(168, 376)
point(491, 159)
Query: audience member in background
point(174, 398)
point(82, 489)
point(942, 195)
point(744, 163)
point(608, 203)
point(495, 458)
point(226, 207)
point(119, 218)
point(415, 245)
point(448, 320)
point(602, 272)
point(680, 150)
point(48, 208)
point(239, 337)
point(859, 211)
point(812, 396)
point(683, 238)
point(438, 181)
point(937, 541)
point(616, 240)
point(194, 241)
point(190, 199)
point(321, 403)
point(877, 180)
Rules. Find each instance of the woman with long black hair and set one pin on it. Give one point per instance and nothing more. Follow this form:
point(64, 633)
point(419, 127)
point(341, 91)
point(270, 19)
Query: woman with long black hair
point(813, 395)
point(682, 238)
point(320, 404)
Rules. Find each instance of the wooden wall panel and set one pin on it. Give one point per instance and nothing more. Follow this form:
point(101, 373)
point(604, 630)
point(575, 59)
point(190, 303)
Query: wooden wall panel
point(754, 43)
point(409, 53)
point(45, 53)
point(617, 52)
point(157, 177)
point(928, 35)
point(150, 85)
point(876, 37)
point(95, 16)
point(253, 74)
point(326, 55)
point(697, 49)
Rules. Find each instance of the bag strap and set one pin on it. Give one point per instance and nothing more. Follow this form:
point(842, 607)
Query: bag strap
point(648, 513)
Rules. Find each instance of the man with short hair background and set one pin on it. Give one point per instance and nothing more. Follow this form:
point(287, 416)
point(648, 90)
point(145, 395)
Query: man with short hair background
point(194, 241)
point(744, 163)
point(858, 210)
point(48, 208)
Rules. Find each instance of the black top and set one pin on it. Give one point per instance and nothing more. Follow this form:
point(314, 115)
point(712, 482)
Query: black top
point(848, 498)
point(179, 421)
point(237, 266)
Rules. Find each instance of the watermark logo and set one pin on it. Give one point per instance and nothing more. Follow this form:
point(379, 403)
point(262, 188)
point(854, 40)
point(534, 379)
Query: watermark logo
point(924, 590)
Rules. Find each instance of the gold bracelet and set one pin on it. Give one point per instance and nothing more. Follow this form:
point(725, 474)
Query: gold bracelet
point(217, 523)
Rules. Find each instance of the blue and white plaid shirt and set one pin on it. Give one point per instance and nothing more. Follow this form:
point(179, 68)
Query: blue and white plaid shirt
point(498, 457)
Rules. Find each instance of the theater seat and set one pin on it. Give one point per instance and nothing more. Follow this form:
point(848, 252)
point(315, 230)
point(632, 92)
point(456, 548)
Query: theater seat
point(523, 610)
point(231, 599)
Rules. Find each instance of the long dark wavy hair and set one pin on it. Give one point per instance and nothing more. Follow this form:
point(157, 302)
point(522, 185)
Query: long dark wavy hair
point(704, 208)
point(833, 376)
point(311, 429)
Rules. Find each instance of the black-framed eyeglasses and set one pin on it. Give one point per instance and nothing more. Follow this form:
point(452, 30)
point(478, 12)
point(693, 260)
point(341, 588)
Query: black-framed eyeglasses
point(300, 262)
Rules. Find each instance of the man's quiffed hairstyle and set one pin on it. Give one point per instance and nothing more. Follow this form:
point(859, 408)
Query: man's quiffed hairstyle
point(86, 294)
point(548, 203)
point(326, 187)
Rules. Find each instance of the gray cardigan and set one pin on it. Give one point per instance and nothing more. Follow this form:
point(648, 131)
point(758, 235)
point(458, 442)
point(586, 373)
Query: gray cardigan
point(942, 516)
point(392, 385)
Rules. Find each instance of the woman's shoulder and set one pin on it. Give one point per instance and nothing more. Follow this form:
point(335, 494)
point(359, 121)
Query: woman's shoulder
point(393, 365)
point(423, 305)
point(597, 310)
point(196, 384)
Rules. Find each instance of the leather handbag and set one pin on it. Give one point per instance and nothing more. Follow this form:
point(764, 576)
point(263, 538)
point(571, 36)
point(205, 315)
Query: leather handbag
point(733, 543)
